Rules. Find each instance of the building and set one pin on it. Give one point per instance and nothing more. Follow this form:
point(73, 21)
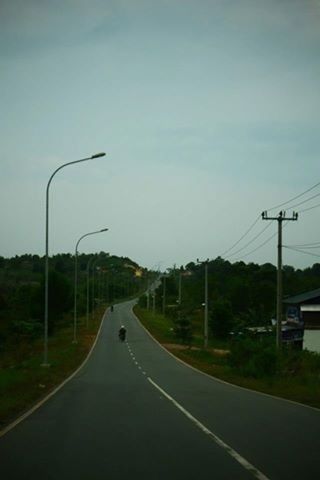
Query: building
point(304, 308)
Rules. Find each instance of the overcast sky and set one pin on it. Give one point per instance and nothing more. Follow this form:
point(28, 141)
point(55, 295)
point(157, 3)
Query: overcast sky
point(208, 112)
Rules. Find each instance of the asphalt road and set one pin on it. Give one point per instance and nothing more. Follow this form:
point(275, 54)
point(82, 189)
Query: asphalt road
point(133, 411)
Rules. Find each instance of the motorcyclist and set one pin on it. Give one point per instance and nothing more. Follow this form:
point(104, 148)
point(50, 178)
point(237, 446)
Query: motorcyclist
point(122, 333)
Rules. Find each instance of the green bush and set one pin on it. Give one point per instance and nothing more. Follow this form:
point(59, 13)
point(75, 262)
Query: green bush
point(24, 328)
point(299, 362)
point(183, 329)
point(221, 318)
point(142, 302)
point(254, 358)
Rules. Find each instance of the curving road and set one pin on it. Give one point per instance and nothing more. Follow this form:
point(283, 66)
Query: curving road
point(133, 411)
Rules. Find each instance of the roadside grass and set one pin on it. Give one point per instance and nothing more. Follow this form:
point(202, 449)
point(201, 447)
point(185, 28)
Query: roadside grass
point(297, 377)
point(23, 381)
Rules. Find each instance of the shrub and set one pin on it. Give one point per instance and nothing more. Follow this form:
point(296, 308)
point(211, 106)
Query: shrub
point(183, 329)
point(254, 358)
point(221, 318)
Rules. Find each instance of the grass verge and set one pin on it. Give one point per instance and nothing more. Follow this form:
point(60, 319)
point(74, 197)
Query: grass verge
point(24, 382)
point(301, 386)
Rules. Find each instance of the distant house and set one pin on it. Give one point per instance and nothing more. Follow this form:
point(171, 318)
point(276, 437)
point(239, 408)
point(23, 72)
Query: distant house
point(304, 307)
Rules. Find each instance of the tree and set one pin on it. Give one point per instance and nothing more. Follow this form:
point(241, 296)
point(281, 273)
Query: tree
point(60, 296)
point(183, 328)
point(221, 318)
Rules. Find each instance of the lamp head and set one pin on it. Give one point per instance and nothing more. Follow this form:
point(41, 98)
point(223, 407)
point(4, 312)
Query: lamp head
point(97, 155)
point(104, 230)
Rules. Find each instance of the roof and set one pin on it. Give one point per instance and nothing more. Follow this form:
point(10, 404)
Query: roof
point(303, 297)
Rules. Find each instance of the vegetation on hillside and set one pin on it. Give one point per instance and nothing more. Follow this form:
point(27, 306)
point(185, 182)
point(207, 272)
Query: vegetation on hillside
point(245, 361)
point(239, 294)
point(22, 378)
point(101, 279)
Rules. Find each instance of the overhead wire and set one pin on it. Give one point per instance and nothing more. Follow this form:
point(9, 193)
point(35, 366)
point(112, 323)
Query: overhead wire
point(310, 208)
point(265, 242)
point(261, 245)
point(305, 245)
point(244, 235)
point(251, 241)
point(305, 201)
point(301, 251)
point(296, 197)
point(264, 229)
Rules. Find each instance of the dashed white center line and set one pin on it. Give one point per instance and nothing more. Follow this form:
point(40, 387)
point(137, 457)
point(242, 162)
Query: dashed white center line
point(135, 361)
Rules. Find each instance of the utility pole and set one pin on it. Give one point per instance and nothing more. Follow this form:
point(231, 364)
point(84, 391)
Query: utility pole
point(180, 281)
point(154, 302)
point(206, 302)
point(148, 294)
point(164, 295)
point(280, 218)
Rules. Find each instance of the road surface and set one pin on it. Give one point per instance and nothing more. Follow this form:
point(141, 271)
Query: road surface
point(133, 411)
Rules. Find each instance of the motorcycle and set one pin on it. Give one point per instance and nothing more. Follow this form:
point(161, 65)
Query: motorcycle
point(122, 335)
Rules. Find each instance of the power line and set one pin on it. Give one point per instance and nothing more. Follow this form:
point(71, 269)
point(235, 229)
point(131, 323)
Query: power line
point(259, 246)
point(305, 201)
point(244, 235)
point(306, 245)
point(264, 243)
point(272, 208)
point(251, 241)
point(310, 208)
point(296, 197)
point(301, 251)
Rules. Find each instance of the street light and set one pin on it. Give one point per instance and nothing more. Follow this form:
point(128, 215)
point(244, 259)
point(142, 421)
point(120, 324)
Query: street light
point(88, 286)
point(92, 259)
point(88, 274)
point(205, 301)
point(76, 280)
point(46, 280)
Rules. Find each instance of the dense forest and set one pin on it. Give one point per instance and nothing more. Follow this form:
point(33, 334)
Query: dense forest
point(239, 294)
point(102, 279)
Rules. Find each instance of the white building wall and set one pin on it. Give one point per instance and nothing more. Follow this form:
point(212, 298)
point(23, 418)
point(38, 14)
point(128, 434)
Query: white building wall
point(311, 340)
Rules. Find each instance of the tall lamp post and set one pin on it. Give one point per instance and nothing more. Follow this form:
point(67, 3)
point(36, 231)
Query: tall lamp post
point(46, 280)
point(95, 260)
point(76, 280)
point(206, 302)
point(88, 289)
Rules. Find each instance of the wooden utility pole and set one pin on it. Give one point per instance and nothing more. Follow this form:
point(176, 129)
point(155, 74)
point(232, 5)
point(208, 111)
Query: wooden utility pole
point(164, 295)
point(280, 218)
point(148, 294)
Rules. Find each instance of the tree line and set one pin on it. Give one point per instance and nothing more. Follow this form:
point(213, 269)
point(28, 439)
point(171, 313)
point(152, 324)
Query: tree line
point(102, 278)
point(239, 294)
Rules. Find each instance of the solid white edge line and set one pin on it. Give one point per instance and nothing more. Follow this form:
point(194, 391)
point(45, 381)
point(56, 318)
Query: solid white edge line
point(244, 463)
point(216, 379)
point(45, 399)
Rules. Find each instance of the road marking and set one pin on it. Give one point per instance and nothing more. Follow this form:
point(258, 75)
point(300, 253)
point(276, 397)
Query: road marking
point(247, 465)
point(55, 390)
point(216, 379)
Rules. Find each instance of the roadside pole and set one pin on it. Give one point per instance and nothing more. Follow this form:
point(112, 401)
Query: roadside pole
point(280, 218)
